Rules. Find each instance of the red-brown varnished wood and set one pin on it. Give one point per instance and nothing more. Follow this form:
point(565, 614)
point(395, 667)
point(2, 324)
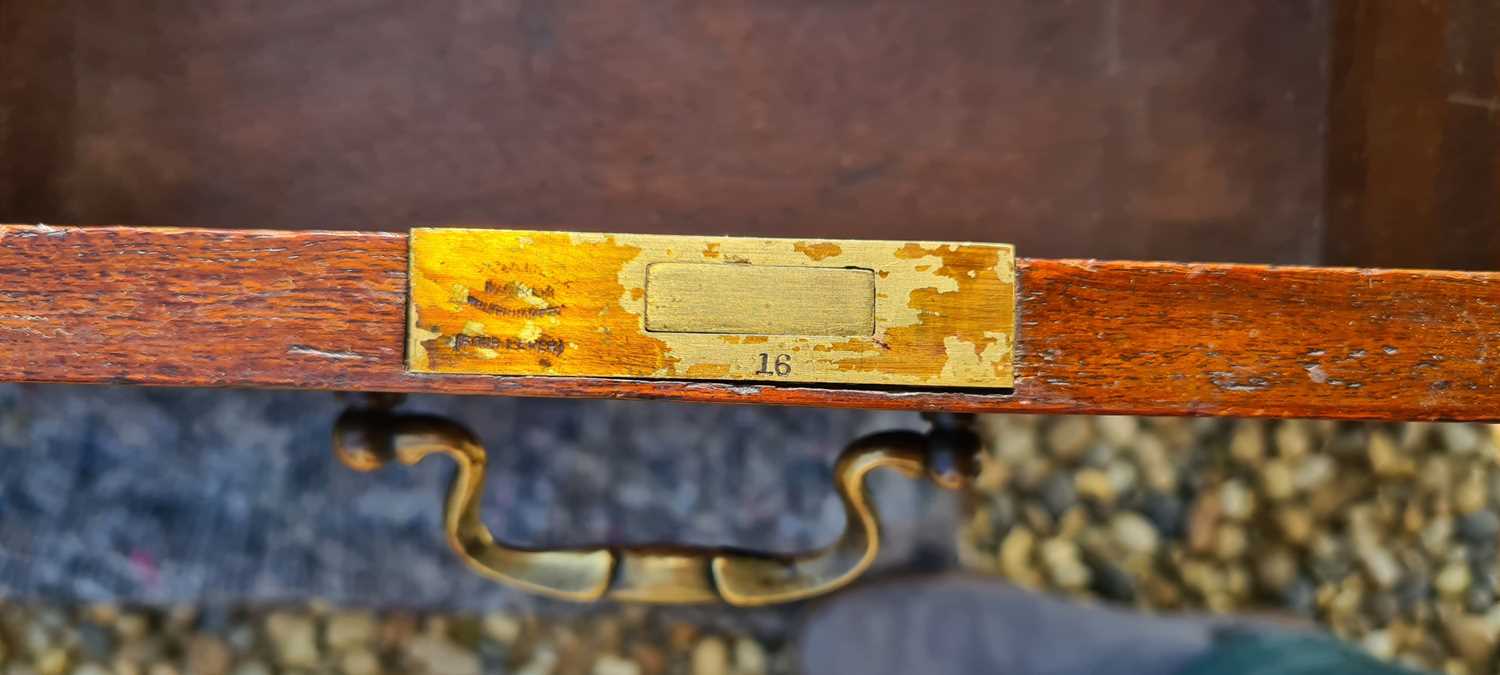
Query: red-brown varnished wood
point(322, 310)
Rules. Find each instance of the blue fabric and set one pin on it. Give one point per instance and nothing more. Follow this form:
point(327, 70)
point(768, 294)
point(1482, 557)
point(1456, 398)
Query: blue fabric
point(138, 495)
point(1242, 653)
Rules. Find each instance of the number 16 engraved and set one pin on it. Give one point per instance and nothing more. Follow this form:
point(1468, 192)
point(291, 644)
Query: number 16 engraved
point(781, 366)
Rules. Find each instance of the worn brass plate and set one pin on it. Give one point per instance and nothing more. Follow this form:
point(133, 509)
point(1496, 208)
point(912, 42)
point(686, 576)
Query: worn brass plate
point(759, 299)
point(506, 302)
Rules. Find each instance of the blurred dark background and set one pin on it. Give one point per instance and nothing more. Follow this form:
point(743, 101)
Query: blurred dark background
point(1295, 131)
point(166, 496)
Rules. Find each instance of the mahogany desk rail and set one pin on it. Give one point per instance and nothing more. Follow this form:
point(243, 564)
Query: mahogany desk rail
point(326, 310)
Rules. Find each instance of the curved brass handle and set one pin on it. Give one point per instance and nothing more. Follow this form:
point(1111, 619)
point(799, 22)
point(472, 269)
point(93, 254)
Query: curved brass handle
point(365, 439)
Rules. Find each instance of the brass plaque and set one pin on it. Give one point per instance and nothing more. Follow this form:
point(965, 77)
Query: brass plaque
point(507, 302)
point(759, 299)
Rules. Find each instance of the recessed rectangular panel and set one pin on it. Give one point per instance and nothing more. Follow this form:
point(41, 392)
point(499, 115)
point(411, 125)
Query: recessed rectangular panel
point(907, 313)
point(759, 299)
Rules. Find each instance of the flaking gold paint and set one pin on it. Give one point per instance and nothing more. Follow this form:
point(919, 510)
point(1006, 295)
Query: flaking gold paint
point(944, 313)
point(818, 250)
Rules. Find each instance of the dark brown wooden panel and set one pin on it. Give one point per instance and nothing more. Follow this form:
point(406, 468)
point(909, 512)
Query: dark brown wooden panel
point(1414, 135)
point(1149, 129)
point(326, 311)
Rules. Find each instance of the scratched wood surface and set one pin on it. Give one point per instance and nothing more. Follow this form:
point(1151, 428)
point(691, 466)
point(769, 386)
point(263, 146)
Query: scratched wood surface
point(326, 310)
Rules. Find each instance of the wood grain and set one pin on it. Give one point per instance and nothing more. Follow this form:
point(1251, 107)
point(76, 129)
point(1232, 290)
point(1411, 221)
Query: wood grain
point(324, 310)
point(1129, 129)
point(1413, 133)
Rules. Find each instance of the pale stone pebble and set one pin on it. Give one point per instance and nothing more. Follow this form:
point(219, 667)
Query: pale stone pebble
point(609, 664)
point(1470, 636)
point(1118, 430)
point(1417, 436)
point(1247, 445)
point(1312, 472)
point(90, 669)
point(503, 628)
point(208, 655)
point(438, 656)
point(1436, 475)
point(1134, 533)
point(1379, 644)
point(1069, 437)
point(1453, 579)
point(1471, 493)
point(994, 474)
point(181, 617)
point(1064, 565)
point(53, 661)
point(1151, 455)
point(1031, 471)
point(1122, 476)
point(1236, 501)
point(1293, 439)
point(1295, 524)
point(1492, 619)
point(1013, 443)
point(1203, 522)
point(1231, 543)
point(1015, 558)
point(749, 657)
point(542, 662)
point(1460, 438)
point(710, 657)
point(1094, 484)
point(359, 661)
point(1380, 565)
point(295, 638)
point(102, 612)
point(1072, 523)
point(350, 629)
point(1276, 480)
point(1436, 534)
point(131, 626)
point(1386, 459)
point(1276, 569)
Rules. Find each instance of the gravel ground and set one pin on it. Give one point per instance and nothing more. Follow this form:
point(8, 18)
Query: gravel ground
point(1385, 534)
point(102, 639)
point(218, 516)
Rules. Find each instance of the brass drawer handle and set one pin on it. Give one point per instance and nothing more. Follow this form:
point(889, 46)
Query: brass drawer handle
point(366, 438)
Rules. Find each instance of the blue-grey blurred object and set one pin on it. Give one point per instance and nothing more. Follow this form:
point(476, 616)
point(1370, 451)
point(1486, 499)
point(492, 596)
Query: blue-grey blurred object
point(958, 625)
point(166, 496)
